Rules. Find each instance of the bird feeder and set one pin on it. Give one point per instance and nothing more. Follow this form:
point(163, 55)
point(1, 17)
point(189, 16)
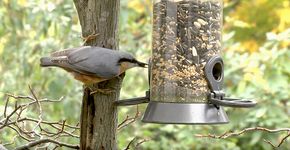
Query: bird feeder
point(186, 71)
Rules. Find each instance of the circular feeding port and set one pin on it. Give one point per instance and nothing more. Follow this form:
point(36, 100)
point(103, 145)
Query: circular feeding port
point(217, 71)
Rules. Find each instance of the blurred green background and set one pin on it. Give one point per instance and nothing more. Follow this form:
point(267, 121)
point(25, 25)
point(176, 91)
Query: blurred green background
point(256, 54)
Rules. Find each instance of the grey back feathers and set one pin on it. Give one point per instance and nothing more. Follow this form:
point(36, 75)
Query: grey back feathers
point(88, 60)
point(64, 52)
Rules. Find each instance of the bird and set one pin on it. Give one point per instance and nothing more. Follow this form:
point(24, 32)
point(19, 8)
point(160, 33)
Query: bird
point(92, 64)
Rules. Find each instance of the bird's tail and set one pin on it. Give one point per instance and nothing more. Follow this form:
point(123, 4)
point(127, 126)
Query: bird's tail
point(46, 62)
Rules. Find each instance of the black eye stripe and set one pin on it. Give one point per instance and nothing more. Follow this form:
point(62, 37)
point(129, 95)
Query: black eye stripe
point(134, 61)
point(127, 60)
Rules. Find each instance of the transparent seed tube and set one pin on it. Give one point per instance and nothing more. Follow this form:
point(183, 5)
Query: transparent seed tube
point(186, 34)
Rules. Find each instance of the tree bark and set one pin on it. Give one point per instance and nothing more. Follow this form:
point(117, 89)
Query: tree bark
point(98, 114)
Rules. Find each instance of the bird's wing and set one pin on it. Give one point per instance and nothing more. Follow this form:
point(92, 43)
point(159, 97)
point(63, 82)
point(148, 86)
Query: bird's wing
point(65, 52)
point(95, 61)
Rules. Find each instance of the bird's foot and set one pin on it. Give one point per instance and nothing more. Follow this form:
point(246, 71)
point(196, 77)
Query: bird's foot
point(102, 91)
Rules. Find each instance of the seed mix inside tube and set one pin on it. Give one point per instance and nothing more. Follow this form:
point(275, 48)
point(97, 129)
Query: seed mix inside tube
point(185, 35)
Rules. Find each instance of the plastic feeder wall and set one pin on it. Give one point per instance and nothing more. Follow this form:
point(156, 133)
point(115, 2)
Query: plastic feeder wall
point(186, 36)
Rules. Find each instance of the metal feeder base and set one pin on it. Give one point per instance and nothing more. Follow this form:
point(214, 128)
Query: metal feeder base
point(189, 113)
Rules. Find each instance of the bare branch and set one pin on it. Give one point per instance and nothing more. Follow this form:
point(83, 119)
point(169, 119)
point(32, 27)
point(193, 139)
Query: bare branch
point(270, 143)
point(6, 104)
point(53, 124)
point(130, 143)
point(231, 134)
point(128, 120)
point(21, 135)
point(43, 141)
point(18, 97)
point(90, 37)
point(141, 142)
point(8, 117)
point(137, 144)
point(34, 130)
point(284, 139)
point(55, 147)
point(39, 107)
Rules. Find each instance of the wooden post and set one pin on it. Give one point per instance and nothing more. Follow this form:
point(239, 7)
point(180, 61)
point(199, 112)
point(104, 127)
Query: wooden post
point(99, 20)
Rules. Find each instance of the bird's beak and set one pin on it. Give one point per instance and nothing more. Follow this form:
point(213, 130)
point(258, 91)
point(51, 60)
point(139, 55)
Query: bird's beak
point(141, 64)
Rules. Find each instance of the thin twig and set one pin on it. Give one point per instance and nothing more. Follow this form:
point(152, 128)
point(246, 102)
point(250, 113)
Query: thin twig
point(53, 124)
point(130, 143)
point(284, 139)
point(231, 134)
point(128, 120)
point(39, 135)
point(32, 99)
point(90, 37)
point(55, 147)
point(6, 104)
point(270, 143)
point(42, 141)
point(22, 136)
point(137, 144)
point(7, 118)
point(39, 107)
point(141, 142)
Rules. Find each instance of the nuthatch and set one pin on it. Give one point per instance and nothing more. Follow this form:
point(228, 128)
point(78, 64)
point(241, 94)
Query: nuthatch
point(92, 64)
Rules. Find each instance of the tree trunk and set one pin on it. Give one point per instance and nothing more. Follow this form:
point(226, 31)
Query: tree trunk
point(98, 114)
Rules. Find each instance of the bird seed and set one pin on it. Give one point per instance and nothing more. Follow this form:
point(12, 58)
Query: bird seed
point(186, 34)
